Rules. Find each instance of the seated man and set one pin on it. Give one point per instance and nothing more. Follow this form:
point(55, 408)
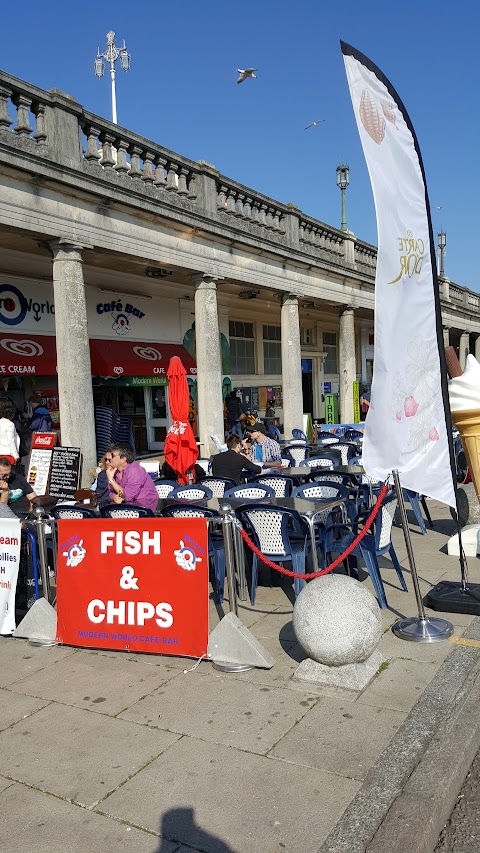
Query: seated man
point(19, 493)
point(231, 463)
point(264, 450)
point(128, 482)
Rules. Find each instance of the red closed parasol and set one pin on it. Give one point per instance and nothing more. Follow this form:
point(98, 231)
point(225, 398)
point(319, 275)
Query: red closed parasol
point(181, 451)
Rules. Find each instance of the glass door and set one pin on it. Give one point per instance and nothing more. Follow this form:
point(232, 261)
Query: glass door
point(158, 415)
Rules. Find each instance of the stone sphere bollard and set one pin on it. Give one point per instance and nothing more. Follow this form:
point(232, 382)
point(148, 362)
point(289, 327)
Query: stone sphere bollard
point(337, 621)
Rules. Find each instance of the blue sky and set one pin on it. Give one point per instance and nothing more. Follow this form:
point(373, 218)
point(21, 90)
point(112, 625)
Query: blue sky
point(181, 92)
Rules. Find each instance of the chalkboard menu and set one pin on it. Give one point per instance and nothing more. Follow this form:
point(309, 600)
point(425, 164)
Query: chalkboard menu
point(64, 472)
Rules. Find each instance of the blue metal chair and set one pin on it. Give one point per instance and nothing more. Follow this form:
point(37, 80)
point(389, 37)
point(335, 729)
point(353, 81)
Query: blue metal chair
point(164, 487)
point(282, 486)
point(275, 433)
point(252, 491)
point(415, 499)
point(353, 435)
point(218, 485)
point(205, 463)
point(323, 462)
point(69, 511)
point(297, 454)
point(348, 451)
point(125, 511)
point(299, 433)
point(195, 492)
point(271, 529)
point(372, 546)
point(216, 548)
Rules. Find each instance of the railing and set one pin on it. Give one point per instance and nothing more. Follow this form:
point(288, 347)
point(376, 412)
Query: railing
point(55, 127)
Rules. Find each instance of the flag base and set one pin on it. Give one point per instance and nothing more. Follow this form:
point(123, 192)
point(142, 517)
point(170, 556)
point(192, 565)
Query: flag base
point(451, 597)
point(423, 630)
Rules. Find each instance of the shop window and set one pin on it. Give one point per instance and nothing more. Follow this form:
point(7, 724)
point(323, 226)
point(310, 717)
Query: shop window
point(331, 349)
point(131, 401)
point(272, 350)
point(242, 347)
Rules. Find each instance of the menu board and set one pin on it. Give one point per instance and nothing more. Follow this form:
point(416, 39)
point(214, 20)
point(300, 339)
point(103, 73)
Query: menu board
point(64, 472)
point(39, 469)
point(39, 462)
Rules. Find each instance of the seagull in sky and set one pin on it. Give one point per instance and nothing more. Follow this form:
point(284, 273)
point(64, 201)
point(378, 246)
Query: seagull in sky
point(439, 207)
point(245, 73)
point(314, 123)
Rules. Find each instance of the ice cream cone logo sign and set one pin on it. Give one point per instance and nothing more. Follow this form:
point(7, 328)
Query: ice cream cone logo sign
point(464, 396)
point(375, 114)
point(417, 398)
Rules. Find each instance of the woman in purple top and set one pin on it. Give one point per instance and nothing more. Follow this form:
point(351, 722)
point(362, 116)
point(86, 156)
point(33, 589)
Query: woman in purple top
point(128, 482)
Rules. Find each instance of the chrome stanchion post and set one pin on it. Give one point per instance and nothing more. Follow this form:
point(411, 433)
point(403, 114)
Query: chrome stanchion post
point(421, 628)
point(42, 550)
point(226, 511)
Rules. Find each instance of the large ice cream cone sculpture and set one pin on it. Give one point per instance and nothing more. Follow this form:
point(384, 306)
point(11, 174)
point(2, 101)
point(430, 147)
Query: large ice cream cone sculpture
point(468, 424)
point(464, 395)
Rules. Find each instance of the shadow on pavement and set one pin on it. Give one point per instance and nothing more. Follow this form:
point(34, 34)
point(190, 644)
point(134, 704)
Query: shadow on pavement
point(179, 825)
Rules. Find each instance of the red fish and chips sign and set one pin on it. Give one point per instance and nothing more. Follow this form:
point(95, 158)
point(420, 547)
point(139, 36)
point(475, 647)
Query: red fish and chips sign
point(139, 585)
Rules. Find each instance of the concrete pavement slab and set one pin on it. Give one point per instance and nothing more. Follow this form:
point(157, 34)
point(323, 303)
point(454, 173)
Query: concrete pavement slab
point(399, 685)
point(248, 802)
point(340, 738)
point(14, 707)
point(239, 714)
point(19, 658)
point(75, 754)
point(95, 682)
point(37, 823)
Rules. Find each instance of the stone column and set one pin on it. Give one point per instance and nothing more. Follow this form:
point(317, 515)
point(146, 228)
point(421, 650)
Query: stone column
point(209, 365)
point(463, 348)
point(77, 424)
point(347, 370)
point(291, 366)
point(446, 336)
point(477, 348)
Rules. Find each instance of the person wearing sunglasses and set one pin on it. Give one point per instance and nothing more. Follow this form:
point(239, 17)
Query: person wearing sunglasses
point(128, 482)
point(100, 486)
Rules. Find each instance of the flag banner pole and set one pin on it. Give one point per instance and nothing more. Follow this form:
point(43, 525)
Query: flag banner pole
point(408, 426)
point(421, 628)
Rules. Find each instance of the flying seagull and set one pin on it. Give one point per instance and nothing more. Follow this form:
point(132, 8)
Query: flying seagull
point(314, 123)
point(245, 73)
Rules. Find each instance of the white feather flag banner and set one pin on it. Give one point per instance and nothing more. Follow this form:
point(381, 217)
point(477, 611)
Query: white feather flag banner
point(407, 426)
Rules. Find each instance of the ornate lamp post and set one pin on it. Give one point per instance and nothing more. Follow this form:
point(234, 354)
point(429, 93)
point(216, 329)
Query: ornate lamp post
point(111, 55)
point(343, 180)
point(442, 242)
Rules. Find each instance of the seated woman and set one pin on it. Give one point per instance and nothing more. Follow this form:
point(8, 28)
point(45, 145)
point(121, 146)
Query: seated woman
point(100, 486)
point(19, 493)
point(196, 471)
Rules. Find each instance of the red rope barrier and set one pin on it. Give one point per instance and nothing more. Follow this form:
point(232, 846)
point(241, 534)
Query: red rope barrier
point(332, 566)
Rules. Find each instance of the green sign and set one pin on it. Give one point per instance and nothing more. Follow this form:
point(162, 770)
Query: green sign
point(356, 402)
point(331, 408)
point(128, 381)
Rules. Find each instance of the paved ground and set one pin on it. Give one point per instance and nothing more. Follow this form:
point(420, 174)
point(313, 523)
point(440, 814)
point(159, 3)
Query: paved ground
point(108, 752)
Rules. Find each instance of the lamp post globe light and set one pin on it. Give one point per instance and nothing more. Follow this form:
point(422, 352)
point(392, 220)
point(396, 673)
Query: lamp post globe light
point(343, 180)
point(442, 242)
point(111, 55)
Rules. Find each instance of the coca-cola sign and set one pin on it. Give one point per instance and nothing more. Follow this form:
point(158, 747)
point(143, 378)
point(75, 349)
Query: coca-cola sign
point(44, 439)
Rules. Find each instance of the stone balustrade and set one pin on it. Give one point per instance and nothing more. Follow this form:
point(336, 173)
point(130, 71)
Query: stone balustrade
point(28, 125)
point(249, 208)
point(328, 242)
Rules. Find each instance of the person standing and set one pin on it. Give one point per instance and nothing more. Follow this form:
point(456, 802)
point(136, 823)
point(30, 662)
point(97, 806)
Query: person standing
point(364, 402)
point(9, 438)
point(234, 412)
point(264, 450)
point(128, 482)
point(233, 461)
point(41, 420)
